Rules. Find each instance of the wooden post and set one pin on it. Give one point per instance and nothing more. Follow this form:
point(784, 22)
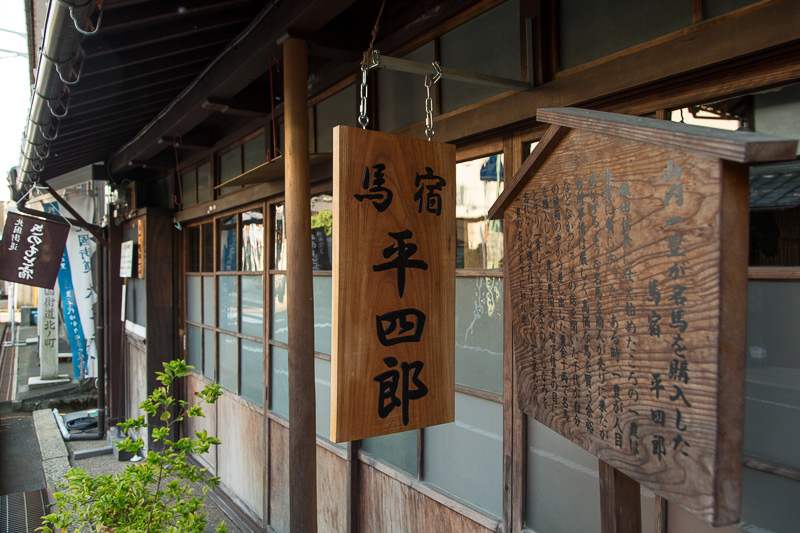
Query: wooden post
point(300, 294)
point(620, 501)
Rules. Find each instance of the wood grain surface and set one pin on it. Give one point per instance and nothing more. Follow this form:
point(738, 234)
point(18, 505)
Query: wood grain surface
point(627, 268)
point(394, 266)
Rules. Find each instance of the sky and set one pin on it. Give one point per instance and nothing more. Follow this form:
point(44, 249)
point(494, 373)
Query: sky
point(15, 88)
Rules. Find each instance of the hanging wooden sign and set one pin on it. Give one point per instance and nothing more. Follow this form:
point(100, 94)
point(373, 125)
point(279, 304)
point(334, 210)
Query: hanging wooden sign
point(626, 254)
point(31, 250)
point(393, 284)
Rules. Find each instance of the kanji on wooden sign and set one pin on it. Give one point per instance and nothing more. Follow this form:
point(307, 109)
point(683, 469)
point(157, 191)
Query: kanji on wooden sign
point(626, 255)
point(393, 284)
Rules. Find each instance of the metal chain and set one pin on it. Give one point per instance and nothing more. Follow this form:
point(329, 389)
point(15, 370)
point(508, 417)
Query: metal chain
point(363, 119)
point(370, 62)
point(429, 133)
point(430, 80)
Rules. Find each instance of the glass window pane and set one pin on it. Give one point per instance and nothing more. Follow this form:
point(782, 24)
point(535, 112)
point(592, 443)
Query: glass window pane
point(772, 389)
point(253, 240)
point(228, 303)
point(254, 153)
point(189, 188)
point(398, 449)
point(322, 392)
point(252, 386)
point(230, 164)
point(209, 356)
point(465, 457)
point(193, 249)
point(322, 232)
point(194, 347)
point(279, 327)
point(562, 477)
point(205, 191)
point(479, 333)
point(398, 92)
point(280, 238)
point(208, 247)
point(323, 313)
point(194, 295)
point(769, 502)
point(208, 301)
point(583, 24)
point(479, 241)
point(227, 243)
point(496, 52)
point(229, 362)
point(279, 381)
point(252, 306)
point(340, 108)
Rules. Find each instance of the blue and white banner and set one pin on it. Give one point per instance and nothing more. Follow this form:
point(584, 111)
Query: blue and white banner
point(78, 295)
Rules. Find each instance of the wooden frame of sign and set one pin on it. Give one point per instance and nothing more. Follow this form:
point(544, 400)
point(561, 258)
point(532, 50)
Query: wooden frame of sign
point(393, 361)
point(626, 253)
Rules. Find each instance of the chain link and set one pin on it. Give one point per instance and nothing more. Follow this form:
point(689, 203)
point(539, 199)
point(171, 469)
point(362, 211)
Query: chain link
point(371, 60)
point(429, 133)
point(430, 80)
point(363, 119)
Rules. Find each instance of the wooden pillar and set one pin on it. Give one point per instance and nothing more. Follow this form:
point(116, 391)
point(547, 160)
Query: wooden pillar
point(620, 501)
point(300, 294)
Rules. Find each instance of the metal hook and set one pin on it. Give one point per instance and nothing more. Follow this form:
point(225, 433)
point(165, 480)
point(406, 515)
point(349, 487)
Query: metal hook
point(96, 26)
point(66, 110)
point(55, 135)
point(80, 70)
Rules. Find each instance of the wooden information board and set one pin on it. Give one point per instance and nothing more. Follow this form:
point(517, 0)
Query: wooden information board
point(626, 253)
point(393, 284)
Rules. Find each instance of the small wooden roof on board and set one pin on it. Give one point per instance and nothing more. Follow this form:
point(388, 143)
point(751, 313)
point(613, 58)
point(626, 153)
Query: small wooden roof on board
point(737, 146)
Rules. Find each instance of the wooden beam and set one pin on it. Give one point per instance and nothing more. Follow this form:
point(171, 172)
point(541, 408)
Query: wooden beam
point(230, 107)
point(300, 293)
point(620, 501)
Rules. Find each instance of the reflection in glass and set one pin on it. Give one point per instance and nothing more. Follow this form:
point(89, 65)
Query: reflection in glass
point(227, 243)
point(194, 295)
point(208, 301)
point(323, 318)
point(279, 381)
point(208, 354)
point(322, 232)
point(562, 477)
point(398, 449)
point(252, 306)
point(772, 389)
point(204, 189)
point(228, 303)
point(253, 241)
point(479, 333)
point(479, 241)
point(280, 238)
point(252, 354)
point(193, 249)
point(194, 347)
point(208, 247)
point(254, 153)
point(322, 392)
point(229, 362)
point(474, 439)
point(279, 328)
point(188, 185)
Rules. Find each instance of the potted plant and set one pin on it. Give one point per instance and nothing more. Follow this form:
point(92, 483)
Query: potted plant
point(156, 494)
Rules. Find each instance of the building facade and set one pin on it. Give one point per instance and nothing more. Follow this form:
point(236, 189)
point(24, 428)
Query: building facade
point(206, 204)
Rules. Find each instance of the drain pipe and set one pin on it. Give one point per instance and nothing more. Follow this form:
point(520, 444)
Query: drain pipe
point(50, 98)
